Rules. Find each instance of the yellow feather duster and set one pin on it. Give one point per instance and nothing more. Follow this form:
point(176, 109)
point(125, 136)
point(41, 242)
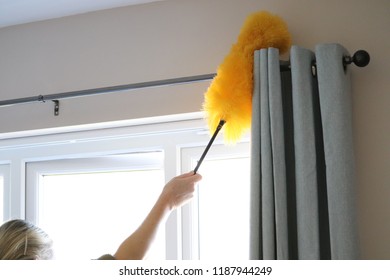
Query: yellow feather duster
point(229, 96)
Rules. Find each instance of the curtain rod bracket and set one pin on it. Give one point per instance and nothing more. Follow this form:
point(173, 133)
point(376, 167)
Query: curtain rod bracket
point(41, 98)
point(56, 107)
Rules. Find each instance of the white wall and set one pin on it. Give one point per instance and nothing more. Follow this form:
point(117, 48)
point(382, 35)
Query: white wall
point(176, 38)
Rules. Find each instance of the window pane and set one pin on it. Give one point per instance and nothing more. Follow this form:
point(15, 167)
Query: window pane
point(224, 210)
point(90, 214)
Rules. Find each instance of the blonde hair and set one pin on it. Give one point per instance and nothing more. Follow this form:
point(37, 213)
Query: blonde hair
point(21, 240)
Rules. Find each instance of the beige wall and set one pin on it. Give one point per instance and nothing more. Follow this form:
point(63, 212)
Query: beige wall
point(176, 38)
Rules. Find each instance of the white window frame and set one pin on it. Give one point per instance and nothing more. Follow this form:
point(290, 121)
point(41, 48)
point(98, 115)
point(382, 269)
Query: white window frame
point(5, 173)
point(171, 134)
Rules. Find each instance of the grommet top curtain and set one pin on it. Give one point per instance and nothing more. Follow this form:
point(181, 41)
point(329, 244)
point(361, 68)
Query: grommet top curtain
point(302, 162)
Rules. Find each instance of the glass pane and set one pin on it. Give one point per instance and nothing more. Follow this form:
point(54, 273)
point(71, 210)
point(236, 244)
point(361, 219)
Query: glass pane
point(90, 214)
point(224, 210)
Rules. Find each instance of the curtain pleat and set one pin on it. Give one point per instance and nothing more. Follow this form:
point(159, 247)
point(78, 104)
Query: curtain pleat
point(304, 91)
point(255, 232)
point(302, 180)
point(277, 137)
point(336, 113)
point(267, 179)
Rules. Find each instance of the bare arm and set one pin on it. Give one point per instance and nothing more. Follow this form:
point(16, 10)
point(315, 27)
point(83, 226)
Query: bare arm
point(175, 193)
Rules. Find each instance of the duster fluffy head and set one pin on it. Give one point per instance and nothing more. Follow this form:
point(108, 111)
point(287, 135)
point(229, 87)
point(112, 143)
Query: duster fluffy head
point(229, 97)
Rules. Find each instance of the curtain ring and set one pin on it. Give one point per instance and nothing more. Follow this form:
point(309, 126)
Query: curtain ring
point(314, 68)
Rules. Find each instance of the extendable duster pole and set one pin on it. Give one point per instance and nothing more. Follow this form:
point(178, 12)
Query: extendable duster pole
point(221, 123)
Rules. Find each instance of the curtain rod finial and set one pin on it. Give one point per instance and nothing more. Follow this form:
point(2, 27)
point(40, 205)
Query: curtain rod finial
point(361, 58)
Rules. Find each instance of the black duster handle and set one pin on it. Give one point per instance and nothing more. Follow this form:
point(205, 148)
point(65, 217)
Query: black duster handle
point(221, 123)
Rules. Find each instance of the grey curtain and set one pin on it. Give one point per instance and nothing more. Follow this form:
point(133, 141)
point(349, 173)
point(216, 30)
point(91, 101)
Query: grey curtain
point(302, 163)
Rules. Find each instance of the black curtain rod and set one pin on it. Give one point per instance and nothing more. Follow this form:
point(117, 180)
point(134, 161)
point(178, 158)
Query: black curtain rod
point(104, 90)
point(361, 58)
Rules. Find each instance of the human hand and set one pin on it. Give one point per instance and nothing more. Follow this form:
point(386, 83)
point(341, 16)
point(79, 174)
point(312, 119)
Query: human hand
point(180, 189)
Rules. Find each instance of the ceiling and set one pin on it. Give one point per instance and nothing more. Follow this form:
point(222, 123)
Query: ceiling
point(13, 12)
